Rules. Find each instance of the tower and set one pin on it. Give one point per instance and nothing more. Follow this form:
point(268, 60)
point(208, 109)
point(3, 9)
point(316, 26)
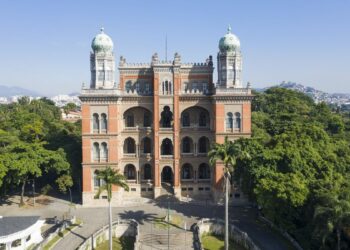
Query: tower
point(229, 61)
point(102, 65)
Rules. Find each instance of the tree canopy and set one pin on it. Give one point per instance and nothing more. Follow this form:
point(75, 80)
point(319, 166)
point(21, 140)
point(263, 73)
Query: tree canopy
point(299, 152)
point(36, 143)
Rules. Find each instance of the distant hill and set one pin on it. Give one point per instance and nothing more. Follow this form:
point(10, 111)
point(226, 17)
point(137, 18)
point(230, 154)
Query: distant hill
point(317, 95)
point(7, 91)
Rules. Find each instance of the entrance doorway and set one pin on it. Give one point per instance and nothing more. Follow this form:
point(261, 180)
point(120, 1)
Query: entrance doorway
point(167, 175)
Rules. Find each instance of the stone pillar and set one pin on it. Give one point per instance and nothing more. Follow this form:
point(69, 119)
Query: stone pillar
point(156, 173)
point(177, 141)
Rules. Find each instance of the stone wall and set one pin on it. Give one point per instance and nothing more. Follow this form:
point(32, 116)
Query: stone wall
point(119, 228)
point(216, 227)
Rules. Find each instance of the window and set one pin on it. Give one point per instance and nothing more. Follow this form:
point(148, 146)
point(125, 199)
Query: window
point(203, 145)
point(186, 145)
point(104, 151)
point(129, 146)
point(202, 119)
point(185, 119)
point(104, 122)
point(130, 120)
point(101, 75)
point(166, 88)
point(166, 117)
point(237, 120)
point(97, 182)
point(146, 145)
point(229, 120)
point(95, 123)
point(130, 172)
point(146, 120)
point(96, 152)
point(128, 86)
point(204, 171)
point(186, 172)
point(16, 243)
point(167, 147)
point(147, 172)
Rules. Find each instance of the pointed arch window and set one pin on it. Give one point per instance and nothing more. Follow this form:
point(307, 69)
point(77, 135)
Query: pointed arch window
point(147, 172)
point(202, 119)
point(237, 120)
point(103, 122)
point(130, 172)
point(147, 146)
point(187, 172)
point(185, 119)
point(204, 171)
point(104, 152)
point(95, 123)
point(229, 120)
point(96, 152)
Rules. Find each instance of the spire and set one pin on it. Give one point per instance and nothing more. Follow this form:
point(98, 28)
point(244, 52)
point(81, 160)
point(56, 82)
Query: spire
point(229, 29)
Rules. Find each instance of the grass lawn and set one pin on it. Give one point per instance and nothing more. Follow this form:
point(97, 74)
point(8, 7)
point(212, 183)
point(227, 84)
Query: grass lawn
point(214, 242)
point(122, 243)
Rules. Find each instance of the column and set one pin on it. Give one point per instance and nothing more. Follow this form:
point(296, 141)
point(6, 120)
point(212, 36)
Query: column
point(156, 173)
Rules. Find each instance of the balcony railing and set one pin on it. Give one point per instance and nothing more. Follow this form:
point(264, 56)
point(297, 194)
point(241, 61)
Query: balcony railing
point(130, 155)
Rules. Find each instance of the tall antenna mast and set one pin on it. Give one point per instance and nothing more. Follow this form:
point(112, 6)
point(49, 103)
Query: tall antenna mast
point(166, 47)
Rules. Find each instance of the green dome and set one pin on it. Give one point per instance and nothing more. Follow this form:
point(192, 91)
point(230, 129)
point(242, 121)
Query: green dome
point(229, 42)
point(102, 43)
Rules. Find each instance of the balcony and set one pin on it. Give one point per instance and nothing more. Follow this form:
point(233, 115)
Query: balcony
point(129, 155)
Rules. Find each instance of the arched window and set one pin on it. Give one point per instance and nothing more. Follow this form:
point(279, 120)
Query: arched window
point(147, 172)
point(185, 119)
point(95, 123)
point(229, 120)
point(130, 120)
point(104, 122)
point(186, 145)
point(129, 146)
point(203, 145)
point(202, 119)
point(166, 117)
point(186, 172)
point(128, 87)
point(167, 147)
point(146, 120)
point(104, 152)
point(237, 120)
point(146, 145)
point(130, 172)
point(96, 152)
point(203, 171)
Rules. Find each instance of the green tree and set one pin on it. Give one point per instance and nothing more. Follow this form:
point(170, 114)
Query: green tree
point(227, 153)
point(110, 177)
point(332, 213)
point(23, 161)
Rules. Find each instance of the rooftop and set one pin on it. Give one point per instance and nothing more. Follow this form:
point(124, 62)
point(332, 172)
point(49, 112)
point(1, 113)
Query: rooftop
point(13, 224)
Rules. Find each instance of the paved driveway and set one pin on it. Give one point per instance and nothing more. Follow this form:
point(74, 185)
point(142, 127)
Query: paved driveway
point(95, 218)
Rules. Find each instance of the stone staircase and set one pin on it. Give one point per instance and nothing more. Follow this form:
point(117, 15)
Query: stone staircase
point(182, 240)
point(167, 189)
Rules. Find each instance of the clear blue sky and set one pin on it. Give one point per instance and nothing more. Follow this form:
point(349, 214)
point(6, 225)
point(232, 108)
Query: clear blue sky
point(45, 45)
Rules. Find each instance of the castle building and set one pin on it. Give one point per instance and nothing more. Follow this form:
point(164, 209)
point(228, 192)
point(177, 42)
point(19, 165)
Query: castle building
point(156, 125)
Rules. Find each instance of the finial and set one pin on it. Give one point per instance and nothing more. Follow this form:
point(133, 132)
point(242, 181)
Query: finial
point(229, 29)
point(102, 29)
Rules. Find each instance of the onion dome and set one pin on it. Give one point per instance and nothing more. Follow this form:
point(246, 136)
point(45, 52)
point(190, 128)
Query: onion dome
point(102, 43)
point(229, 42)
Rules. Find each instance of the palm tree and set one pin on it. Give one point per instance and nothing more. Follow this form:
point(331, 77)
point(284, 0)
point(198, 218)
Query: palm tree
point(227, 153)
point(110, 177)
point(333, 214)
